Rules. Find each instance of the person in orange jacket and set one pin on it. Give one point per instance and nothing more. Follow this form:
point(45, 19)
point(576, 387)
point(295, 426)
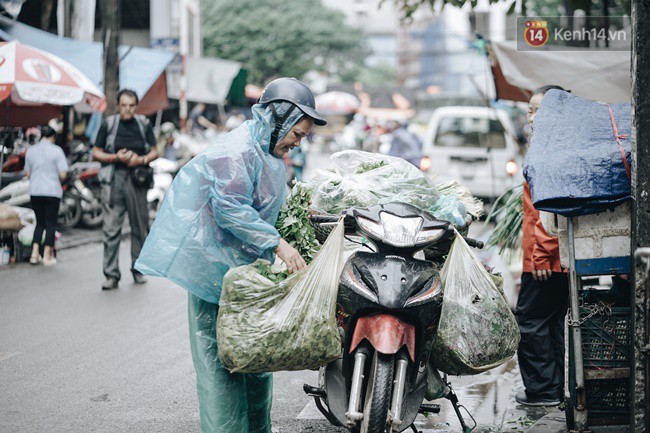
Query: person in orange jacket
point(542, 302)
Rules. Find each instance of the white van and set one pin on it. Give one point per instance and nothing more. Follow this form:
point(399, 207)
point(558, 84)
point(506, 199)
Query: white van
point(475, 146)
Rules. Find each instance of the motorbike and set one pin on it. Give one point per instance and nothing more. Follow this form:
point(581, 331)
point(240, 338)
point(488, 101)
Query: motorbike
point(78, 202)
point(13, 167)
point(164, 171)
point(87, 188)
point(388, 307)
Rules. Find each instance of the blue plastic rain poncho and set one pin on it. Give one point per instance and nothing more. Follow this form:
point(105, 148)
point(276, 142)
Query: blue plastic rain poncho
point(220, 213)
point(221, 209)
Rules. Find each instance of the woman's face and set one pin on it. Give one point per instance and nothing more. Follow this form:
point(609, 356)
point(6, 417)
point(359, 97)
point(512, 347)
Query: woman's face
point(299, 131)
point(533, 106)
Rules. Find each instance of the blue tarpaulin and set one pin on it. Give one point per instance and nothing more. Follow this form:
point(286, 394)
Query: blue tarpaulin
point(139, 67)
point(574, 164)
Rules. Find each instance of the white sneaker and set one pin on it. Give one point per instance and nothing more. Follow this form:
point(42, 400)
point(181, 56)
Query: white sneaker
point(49, 261)
point(35, 260)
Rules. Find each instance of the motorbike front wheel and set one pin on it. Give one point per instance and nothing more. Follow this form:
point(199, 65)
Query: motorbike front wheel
point(92, 216)
point(379, 391)
point(69, 211)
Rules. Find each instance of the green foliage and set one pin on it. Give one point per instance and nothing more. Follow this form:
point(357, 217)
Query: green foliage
point(294, 224)
point(508, 208)
point(275, 38)
point(368, 166)
point(408, 7)
point(378, 75)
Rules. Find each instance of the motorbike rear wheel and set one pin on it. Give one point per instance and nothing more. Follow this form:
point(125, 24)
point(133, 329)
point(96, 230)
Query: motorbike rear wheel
point(379, 391)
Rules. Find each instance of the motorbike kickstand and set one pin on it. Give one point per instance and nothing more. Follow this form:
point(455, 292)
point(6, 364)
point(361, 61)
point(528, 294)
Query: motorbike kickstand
point(415, 430)
point(453, 398)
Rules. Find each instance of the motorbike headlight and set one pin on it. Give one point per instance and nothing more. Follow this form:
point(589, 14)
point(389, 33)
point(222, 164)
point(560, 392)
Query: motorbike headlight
point(398, 231)
point(426, 236)
point(371, 227)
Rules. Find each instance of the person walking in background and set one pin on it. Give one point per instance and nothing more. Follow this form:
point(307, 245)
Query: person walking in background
point(403, 143)
point(125, 145)
point(46, 166)
point(542, 303)
point(197, 122)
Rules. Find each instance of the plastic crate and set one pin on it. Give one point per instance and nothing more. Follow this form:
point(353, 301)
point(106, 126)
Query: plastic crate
point(607, 339)
point(608, 401)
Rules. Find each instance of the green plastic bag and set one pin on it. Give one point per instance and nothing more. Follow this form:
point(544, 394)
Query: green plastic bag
point(291, 325)
point(477, 330)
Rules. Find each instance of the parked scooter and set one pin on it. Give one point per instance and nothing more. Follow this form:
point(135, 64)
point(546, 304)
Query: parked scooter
point(78, 203)
point(388, 308)
point(164, 171)
point(88, 188)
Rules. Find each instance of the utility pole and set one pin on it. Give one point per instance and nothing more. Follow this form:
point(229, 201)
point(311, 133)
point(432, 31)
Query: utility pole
point(184, 49)
point(641, 209)
point(111, 21)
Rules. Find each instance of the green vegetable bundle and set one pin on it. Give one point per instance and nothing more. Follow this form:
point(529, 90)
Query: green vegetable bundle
point(362, 179)
point(508, 211)
point(267, 323)
point(294, 224)
point(477, 331)
point(473, 205)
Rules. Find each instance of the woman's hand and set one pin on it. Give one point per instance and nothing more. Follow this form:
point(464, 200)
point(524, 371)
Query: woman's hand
point(290, 256)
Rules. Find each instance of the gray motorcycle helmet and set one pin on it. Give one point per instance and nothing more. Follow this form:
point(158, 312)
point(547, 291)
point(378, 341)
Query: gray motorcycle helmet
point(295, 92)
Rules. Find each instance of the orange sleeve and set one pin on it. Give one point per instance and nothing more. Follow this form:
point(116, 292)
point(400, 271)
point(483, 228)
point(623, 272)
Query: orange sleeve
point(546, 248)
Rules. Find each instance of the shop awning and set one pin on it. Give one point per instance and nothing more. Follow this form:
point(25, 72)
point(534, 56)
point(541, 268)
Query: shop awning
point(140, 68)
point(209, 80)
point(597, 75)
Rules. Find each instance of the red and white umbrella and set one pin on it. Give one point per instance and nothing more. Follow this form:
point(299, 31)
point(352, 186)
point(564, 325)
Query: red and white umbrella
point(336, 102)
point(34, 85)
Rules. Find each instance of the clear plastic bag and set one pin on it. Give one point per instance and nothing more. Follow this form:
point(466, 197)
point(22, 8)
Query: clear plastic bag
point(362, 179)
point(265, 326)
point(477, 331)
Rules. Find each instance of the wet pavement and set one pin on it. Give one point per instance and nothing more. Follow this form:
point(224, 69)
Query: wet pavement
point(490, 399)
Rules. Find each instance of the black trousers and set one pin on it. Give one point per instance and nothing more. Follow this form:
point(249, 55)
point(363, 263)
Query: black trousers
point(541, 309)
point(46, 210)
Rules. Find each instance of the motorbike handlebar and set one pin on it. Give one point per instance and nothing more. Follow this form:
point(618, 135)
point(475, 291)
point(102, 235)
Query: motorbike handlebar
point(324, 218)
point(474, 243)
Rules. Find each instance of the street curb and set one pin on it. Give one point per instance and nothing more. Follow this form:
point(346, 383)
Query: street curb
point(93, 237)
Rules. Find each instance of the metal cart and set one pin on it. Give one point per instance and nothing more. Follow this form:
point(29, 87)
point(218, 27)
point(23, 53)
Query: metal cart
point(599, 343)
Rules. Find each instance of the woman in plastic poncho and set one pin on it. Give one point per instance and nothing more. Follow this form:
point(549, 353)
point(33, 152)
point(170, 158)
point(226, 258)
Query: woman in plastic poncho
point(219, 213)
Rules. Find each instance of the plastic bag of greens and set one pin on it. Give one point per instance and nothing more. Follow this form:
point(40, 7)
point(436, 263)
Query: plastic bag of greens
point(266, 326)
point(362, 179)
point(477, 330)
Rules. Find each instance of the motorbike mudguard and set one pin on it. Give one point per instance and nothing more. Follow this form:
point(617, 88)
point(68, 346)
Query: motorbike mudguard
point(386, 333)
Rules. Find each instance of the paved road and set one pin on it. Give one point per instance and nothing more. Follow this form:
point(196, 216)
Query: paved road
point(76, 359)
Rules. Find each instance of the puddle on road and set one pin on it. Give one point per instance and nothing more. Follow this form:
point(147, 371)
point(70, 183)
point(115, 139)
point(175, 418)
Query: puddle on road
point(490, 399)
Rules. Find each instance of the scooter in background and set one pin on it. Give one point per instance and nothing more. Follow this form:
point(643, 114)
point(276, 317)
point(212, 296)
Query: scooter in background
point(78, 202)
point(164, 171)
